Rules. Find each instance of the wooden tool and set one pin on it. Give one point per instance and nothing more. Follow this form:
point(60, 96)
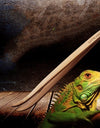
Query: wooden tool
point(50, 80)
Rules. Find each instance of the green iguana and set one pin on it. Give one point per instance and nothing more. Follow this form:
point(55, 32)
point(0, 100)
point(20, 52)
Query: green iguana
point(76, 103)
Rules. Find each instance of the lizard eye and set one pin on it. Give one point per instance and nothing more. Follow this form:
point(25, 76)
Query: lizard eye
point(87, 75)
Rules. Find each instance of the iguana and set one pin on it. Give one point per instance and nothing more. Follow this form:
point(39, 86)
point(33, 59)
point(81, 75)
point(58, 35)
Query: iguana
point(76, 103)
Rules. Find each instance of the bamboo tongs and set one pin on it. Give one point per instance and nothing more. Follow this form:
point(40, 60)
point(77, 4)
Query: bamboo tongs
point(50, 80)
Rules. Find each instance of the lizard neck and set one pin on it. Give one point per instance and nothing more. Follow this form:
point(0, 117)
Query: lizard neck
point(65, 100)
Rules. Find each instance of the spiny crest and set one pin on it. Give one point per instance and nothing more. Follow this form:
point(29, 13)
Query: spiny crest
point(55, 97)
point(61, 97)
point(66, 88)
point(64, 94)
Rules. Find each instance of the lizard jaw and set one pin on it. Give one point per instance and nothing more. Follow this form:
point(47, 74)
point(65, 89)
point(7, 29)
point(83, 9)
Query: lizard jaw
point(92, 103)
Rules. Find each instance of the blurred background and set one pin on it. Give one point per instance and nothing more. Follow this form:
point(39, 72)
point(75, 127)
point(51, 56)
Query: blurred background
point(36, 36)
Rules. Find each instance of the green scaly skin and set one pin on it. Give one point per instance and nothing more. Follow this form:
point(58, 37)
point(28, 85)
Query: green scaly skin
point(76, 103)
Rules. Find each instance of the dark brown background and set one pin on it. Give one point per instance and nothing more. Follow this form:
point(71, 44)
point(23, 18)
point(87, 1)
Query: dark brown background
point(37, 35)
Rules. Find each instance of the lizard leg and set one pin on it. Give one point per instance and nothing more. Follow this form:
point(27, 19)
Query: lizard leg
point(74, 115)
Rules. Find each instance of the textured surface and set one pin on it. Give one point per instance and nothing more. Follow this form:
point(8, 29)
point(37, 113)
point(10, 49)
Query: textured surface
point(45, 22)
point(31, 116)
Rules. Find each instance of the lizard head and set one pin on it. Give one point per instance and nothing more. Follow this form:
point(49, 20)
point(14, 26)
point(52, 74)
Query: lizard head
point(87, 85)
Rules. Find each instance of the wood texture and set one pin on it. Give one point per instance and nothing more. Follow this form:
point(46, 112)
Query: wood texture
point(8, 98)
point(31, 117)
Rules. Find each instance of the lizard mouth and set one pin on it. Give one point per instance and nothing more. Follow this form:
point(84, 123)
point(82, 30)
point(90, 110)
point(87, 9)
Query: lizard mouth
point(93, 102)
